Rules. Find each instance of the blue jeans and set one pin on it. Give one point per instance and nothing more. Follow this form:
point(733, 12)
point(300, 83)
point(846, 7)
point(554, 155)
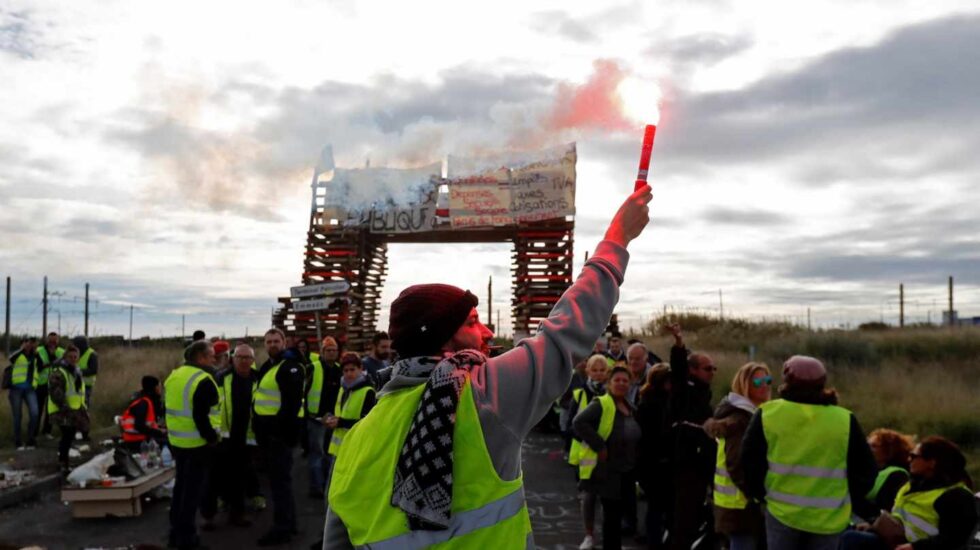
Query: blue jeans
point(741, 542)
point(315, 433)
point(783, 537)
point(858, 540)
point(17, 397)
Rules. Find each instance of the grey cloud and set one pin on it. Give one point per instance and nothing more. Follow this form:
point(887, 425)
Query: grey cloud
point(748, 217)
point(559, 23)
point(701, 49)
point(18, 35)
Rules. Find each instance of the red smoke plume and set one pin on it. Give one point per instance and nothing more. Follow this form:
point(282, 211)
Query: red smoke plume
point(594, 105)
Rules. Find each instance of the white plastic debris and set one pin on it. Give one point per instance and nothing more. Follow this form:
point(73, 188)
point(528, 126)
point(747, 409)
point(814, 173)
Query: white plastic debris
point(73, 453)
point(84, 448)
point(92, 471)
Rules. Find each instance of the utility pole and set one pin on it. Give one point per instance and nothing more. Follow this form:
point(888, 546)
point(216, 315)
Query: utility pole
point(44, 308)
point(952, 318)
point(6, 330)
point(130, 325)
point(809, 327)
point(901, 305)
point(182, 327)
point(490, 301)
point(86, 310)
point(721, 307)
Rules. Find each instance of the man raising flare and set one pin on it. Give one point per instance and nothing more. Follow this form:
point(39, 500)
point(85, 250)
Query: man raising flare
point(438, 460)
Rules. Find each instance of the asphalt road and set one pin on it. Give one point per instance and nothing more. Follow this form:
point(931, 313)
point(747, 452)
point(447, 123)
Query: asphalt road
point(47, 522)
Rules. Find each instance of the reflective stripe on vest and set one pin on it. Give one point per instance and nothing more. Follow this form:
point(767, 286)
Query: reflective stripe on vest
point(74, 398)
point(806, 485)
point(83, 365)
point(46, 362)
point(316, 389)
point(22, 367)
point(727, 495)
point(227, 408)
point(267, 396)
point(179, 389)
point(588, 458)
point(486, 512)
point(882, 477)
point(351, 410)
point(128, 422)
point(916, 511)
point(575, 452)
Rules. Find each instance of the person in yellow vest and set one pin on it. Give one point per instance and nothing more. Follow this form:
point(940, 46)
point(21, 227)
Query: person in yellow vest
point(66, 403)
point(891, 451)
point(232, 474)
point(275, 419)
point(356, 399)
point(736, 517)
point(807, 458)
point(323, 385)
point(597, 372)
point(934, 510)
point(47, 355)
point(193, 413)
point(88, 363)
point(656, 453)
point(608, 461)
point(24, 373)
point(438, 459)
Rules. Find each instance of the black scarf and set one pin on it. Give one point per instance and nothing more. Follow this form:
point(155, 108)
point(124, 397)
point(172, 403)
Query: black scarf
point(423, 486)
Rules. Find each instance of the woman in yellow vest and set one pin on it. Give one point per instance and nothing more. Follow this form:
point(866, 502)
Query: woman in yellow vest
point(597, 371)
point(808, 458)
point(739, 519)
point(608, 460)
point(935, 510)
point(355, 400)
point(66, 403)
point(891, 451)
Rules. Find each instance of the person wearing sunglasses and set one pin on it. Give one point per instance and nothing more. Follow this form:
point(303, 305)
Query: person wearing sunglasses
point(694, 452)
point(807, 458)
point(936, 509)
point(736, 517)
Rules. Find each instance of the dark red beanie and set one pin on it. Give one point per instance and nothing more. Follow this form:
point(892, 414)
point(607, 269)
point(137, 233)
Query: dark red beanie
point(424, 317)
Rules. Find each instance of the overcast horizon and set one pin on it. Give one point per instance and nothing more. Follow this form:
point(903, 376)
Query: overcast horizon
point(808, 156)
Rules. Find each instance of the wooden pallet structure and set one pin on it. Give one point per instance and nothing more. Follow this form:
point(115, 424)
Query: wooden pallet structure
point(541, 270)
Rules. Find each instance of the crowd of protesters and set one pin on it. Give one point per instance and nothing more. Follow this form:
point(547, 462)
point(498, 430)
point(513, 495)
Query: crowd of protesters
point(438, 459)
point(751, 472)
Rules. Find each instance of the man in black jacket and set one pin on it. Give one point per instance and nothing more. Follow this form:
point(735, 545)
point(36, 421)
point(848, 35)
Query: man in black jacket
point(278, 400)
point(694, 452)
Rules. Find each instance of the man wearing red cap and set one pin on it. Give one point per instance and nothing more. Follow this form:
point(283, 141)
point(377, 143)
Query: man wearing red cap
point(438, 459)
point(807, 459)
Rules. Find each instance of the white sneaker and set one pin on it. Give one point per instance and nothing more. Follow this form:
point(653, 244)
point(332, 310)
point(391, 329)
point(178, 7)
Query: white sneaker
point(587, 543)
point(22, 448)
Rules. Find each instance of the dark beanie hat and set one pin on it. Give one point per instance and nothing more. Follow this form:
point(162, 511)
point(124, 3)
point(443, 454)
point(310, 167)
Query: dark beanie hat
point(424, 317)
point(150, 383)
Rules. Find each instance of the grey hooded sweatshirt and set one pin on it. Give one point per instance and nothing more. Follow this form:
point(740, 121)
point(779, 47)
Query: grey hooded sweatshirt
point(514, 390)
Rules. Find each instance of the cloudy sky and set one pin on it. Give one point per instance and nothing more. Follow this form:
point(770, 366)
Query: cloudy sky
point(809, 155)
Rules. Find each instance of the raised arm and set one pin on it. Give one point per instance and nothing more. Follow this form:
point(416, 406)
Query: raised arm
point(520, 385)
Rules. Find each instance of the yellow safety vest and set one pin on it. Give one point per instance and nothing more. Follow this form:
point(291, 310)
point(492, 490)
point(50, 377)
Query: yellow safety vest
point(45, 369)
point(227, 408)
point(487, 512)
point(806, 484)
point(882, 477)
point(74, 398)
point(351, 410)
point(316, 388)
point(726, 495)
point(917, 511)
point(575, 452)
point(22, 369)
point(179, 390)
point(83, 364)
point(268, 399)
point(588, 458)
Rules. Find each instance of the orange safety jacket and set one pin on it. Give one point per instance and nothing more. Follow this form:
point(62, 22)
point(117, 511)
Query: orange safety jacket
point(128, 422)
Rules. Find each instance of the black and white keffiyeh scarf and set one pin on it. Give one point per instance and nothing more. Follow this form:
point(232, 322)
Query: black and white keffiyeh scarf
point(423, 486)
